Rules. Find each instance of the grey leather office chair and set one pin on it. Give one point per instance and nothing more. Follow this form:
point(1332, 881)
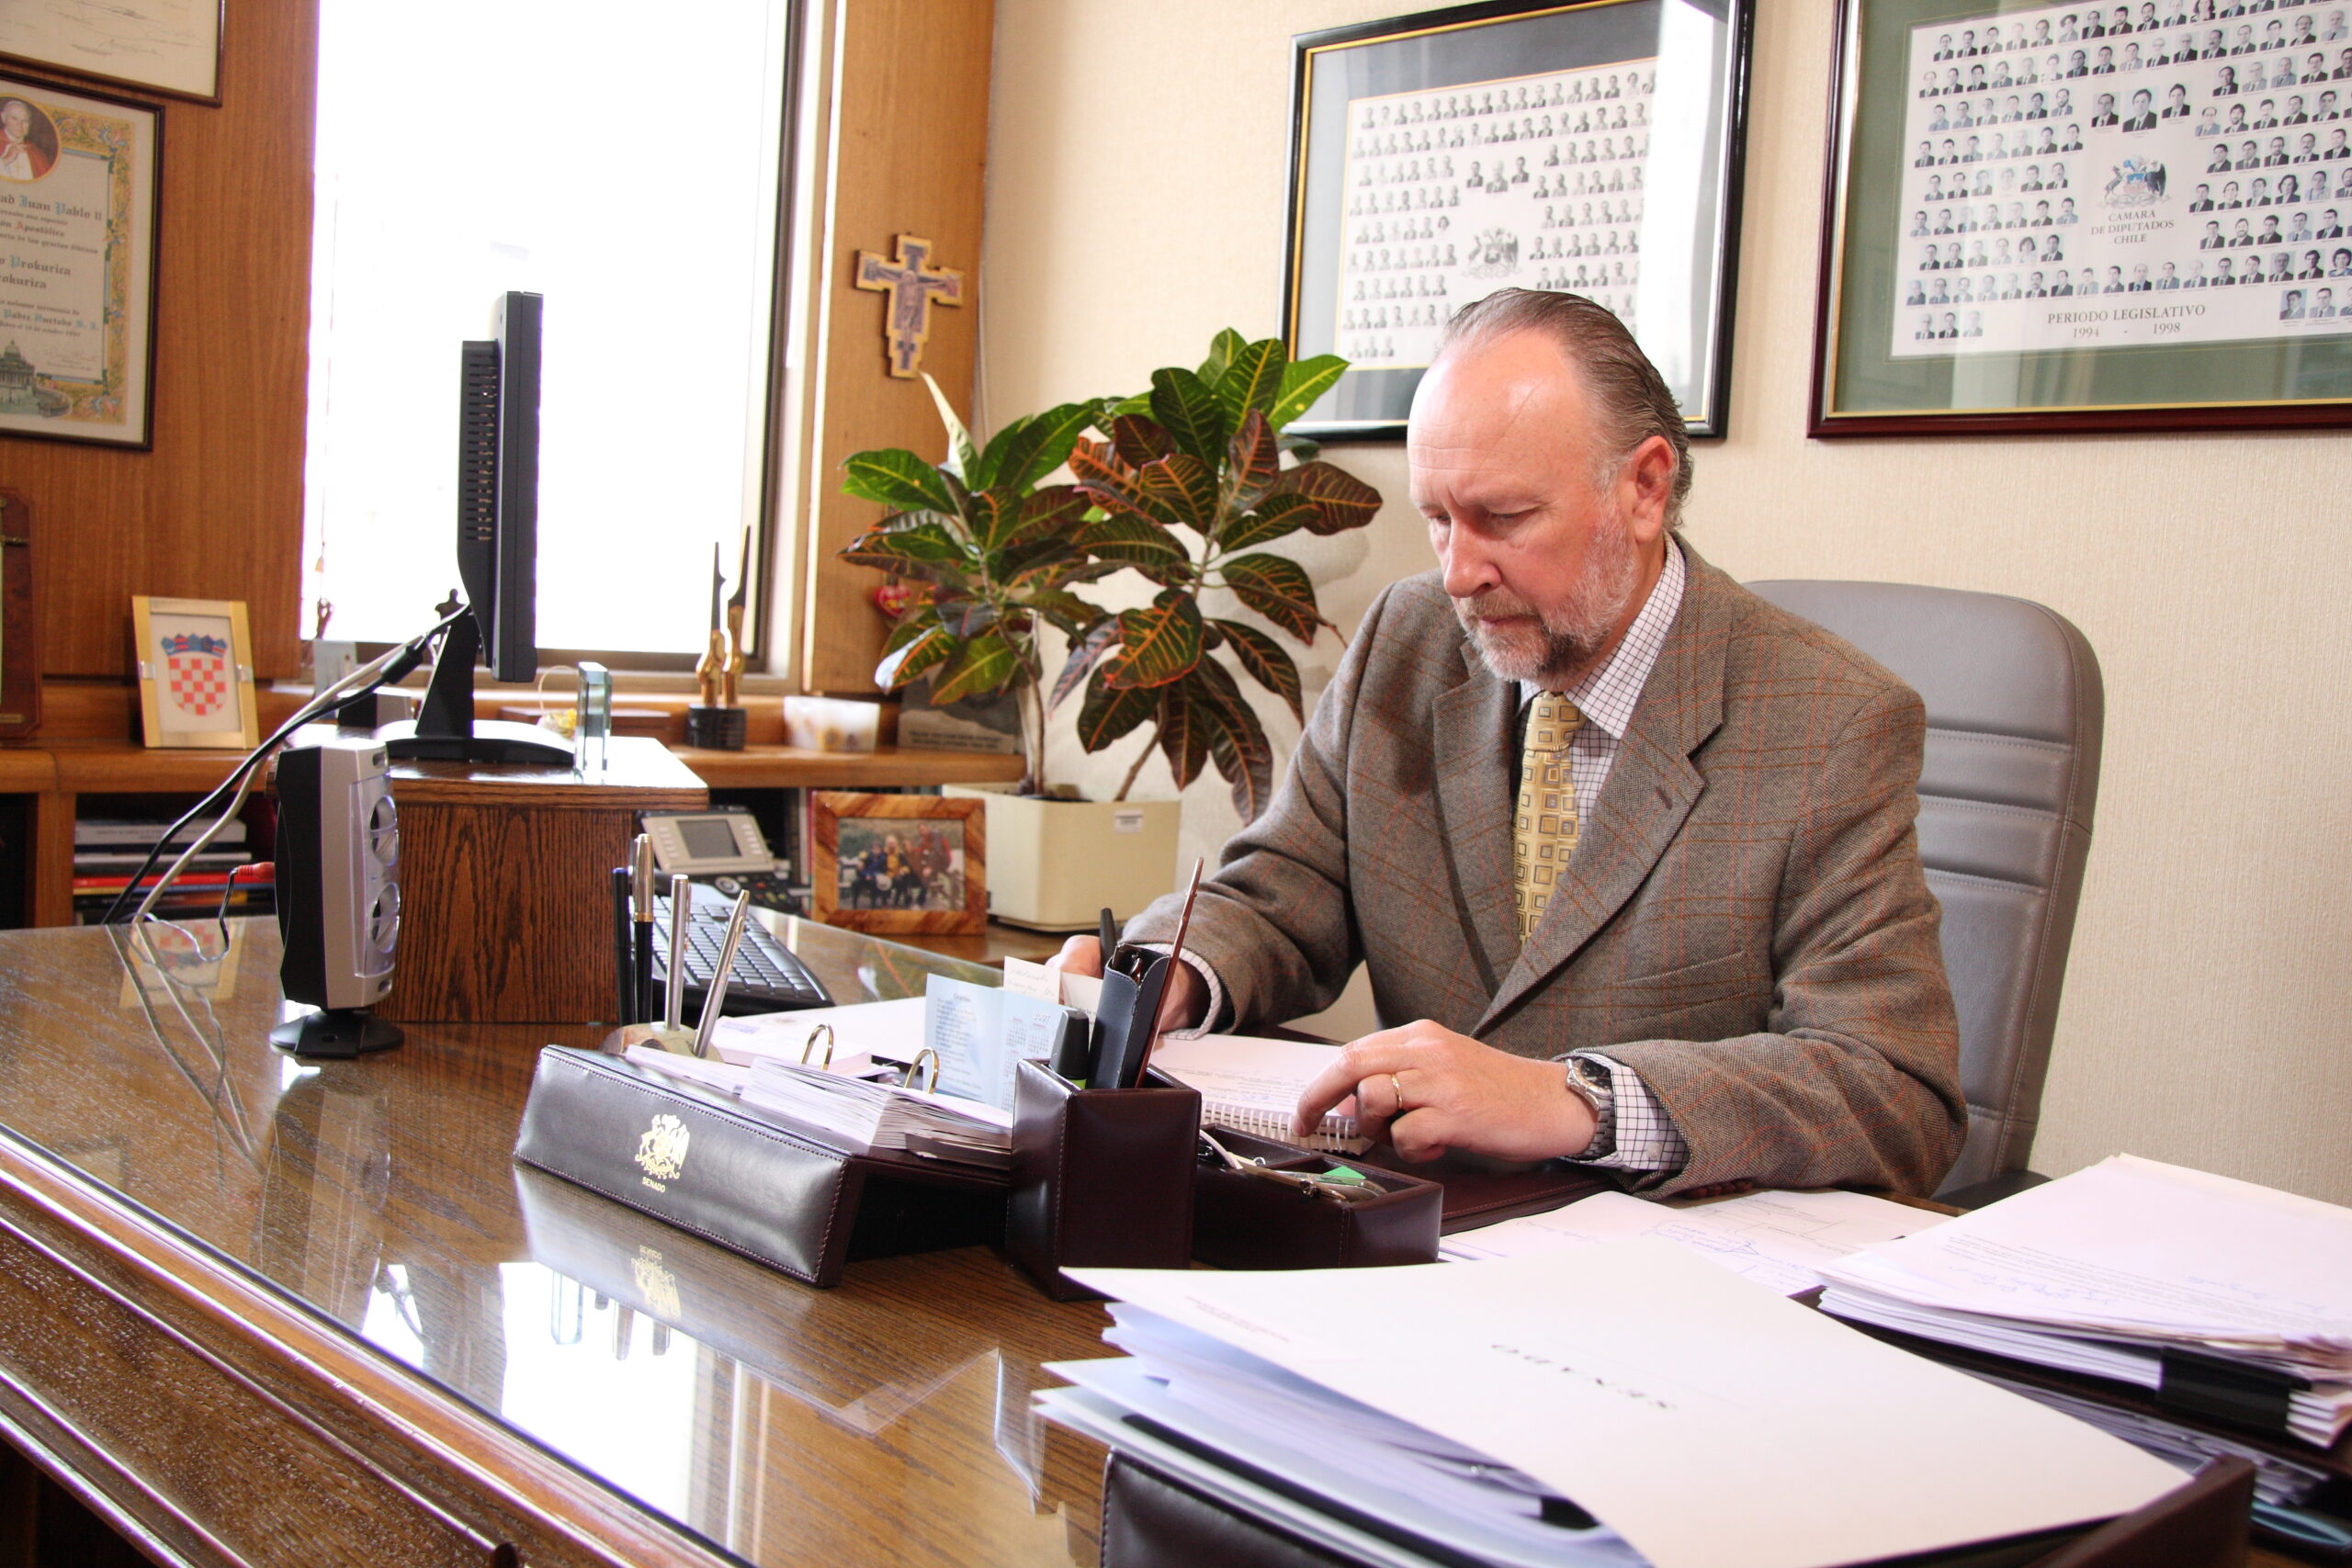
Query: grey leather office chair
point(2014, 712)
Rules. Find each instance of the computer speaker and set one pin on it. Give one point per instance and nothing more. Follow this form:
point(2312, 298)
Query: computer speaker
point(338, 893)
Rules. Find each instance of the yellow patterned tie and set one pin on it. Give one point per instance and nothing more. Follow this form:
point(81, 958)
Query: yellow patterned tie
point(1544, 827)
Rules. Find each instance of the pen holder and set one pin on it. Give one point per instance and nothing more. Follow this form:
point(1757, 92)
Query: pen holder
point(716, 729)
point(1249, 1222)
point(1101, 1177)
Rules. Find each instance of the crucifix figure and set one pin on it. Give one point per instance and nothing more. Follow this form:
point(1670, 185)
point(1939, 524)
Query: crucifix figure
point(911, 287)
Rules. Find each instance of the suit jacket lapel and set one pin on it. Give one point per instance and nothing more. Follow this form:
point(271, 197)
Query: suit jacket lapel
point(1651, 789)
point(1474, 766)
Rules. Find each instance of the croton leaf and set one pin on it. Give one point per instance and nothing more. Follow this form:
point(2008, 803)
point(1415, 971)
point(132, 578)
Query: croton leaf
point(1238, 741)
point(1252, 380)
point(1223, 349)
point(897, 478)
point(1183, 733)
point(1109, 712)
point(1345, 500)
point(1086, 651)
point(1184, 487)
point(1157, 644)
point(1278, 588)
point(902, 550)
point(1264, 660)
point(929, 646)
point(1131, 541)
point(994, 519)
point(1069, 613)
point(1276, 515)
point(980, 668)
point(1182, 402)
point(967, 617)
point(1304, 381)
point(1025, 451)
point(1051, 511)
point(1115, 486)
point(1251, 466)
point(963, 457)
point(1138, 439)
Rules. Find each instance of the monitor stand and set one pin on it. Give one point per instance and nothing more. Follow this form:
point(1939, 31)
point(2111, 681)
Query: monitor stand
point(445, 728)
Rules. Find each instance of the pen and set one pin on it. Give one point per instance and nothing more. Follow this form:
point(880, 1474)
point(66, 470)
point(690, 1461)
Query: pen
point(1110, 939)
point(714, 1002)
point(624, 970)
point(641, 897)
point(674, 1006)
point(1175, 956)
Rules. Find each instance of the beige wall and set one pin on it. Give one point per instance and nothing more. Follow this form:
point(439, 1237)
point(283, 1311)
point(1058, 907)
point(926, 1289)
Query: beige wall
point(1136, 197)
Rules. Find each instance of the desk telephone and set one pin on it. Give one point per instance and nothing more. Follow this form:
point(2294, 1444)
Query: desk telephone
point(725, 854)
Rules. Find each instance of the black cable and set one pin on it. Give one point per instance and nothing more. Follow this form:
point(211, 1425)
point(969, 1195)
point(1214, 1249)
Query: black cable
point(412, 654)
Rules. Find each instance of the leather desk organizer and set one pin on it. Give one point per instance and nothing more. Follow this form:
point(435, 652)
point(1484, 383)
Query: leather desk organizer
point(1151, 1520)
point(1101, 1177)
point(778, 1195)
point(1248, 1221)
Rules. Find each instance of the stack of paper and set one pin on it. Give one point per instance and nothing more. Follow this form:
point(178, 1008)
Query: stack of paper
point(1253, 1086)
point(879, 1116)
point(2101, 1271)
point(1777, 1239)
point(885, 1031)
point(1567, 1406)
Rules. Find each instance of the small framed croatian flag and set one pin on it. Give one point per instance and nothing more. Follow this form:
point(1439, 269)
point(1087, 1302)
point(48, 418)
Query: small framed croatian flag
point(195, 673)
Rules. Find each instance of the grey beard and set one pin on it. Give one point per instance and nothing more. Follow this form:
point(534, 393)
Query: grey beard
point(1574, 632)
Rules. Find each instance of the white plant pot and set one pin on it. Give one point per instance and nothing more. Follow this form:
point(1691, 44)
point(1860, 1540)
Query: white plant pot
point(1054, 865)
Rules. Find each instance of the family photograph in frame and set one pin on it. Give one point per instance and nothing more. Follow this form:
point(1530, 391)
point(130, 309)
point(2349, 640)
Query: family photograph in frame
point(903, 864)
point(1593, 148)
point(2068, 218)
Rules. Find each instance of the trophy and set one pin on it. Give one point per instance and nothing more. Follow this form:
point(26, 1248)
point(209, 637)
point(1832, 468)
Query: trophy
point(717, 722)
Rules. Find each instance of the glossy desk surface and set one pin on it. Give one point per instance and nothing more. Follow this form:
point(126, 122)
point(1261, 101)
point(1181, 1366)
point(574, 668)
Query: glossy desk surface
point(885, 1421)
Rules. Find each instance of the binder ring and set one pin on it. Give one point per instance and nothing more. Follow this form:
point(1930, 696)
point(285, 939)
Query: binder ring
point(930, 1086)
point(811, 1044)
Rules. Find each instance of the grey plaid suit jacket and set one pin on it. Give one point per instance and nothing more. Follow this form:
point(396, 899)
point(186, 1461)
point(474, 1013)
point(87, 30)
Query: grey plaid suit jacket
point(1745, 922)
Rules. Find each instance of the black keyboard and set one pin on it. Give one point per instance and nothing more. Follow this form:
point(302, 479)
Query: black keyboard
point(767, 977)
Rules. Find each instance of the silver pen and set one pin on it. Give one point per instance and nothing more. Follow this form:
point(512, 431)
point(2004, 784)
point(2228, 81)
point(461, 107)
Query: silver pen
point(715, 1000)
point(682, 909)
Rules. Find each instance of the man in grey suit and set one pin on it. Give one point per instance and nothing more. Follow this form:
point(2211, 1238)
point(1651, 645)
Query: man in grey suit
point(1628, 853)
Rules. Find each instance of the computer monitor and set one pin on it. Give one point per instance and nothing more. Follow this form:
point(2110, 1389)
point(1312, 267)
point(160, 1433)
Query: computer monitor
point(498, 528)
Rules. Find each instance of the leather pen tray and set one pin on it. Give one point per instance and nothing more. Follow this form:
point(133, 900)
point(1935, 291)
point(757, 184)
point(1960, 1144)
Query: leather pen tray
point(1478, 1194)
point(777, 1194)
point(1241, 1221)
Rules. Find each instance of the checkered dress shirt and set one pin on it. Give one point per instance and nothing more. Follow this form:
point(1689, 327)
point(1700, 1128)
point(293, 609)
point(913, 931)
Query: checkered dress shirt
point(1643, 1136)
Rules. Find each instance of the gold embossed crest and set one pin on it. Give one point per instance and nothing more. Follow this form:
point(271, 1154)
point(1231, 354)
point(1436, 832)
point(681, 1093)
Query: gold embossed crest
point(662, 1152)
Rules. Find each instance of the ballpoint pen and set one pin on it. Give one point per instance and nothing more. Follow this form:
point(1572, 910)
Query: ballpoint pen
point(624, 967)
point(714, 1002)
point(673, 1005)
point(641, 897)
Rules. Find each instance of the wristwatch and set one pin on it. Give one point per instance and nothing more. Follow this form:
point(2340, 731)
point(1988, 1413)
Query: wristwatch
point(1590, 1081)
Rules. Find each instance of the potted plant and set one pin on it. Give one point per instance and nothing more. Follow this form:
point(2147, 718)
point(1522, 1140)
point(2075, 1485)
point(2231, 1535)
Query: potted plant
point(1186, 488)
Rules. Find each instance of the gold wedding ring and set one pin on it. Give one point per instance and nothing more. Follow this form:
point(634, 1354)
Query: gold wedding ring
point(1398, 1090)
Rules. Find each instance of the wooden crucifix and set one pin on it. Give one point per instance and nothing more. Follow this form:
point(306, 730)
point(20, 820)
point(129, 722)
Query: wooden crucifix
point(911, 286)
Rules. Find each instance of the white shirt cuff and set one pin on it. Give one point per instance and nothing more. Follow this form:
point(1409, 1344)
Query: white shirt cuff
point(1646, 1137)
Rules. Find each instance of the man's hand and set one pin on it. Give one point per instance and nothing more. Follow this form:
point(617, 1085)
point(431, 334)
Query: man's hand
point(1456, 1094)
point(1180, 1006)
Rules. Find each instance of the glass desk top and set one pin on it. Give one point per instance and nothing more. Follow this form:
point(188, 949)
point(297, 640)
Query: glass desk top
point(887, 1420)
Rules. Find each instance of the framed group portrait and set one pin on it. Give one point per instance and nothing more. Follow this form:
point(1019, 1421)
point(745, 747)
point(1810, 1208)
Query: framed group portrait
point(898, 864)
point(1592, 148)
point(2074, 217)
point(78, 194)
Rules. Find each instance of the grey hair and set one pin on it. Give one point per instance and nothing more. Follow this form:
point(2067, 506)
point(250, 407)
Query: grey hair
point(1634, 399)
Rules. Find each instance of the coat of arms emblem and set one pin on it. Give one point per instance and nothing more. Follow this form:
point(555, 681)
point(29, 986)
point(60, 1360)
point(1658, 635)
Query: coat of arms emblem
point(195, 673)
point(2137, 181)
point(662, 1152)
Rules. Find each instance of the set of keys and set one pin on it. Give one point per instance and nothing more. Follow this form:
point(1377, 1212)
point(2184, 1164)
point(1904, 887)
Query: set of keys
point(1340, 1183)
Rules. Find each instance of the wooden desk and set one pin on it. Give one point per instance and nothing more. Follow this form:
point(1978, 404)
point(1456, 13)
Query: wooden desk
point(254, 1310)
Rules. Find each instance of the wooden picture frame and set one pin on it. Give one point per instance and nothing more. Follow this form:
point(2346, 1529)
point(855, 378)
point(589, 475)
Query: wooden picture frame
point(194, 660)
point(81, 195)
point(162, 46)
point(868, 866)
point(2131, 184)
point(1437, 158)
point(19, 621)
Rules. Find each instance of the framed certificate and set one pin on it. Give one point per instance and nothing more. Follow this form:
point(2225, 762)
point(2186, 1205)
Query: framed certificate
point(1591, 148)
point(157, 45)
point(78, 182)
point(2087, 217)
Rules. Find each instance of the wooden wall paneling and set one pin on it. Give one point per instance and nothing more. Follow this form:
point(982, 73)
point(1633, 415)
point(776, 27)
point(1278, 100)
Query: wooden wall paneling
point(906, 154)
point(215, 510)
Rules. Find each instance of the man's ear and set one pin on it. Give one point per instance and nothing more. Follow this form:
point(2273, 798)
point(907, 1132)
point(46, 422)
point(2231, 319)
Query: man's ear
point(1647, 478)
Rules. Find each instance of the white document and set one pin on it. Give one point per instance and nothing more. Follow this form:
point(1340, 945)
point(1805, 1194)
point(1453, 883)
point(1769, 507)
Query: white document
point(1253, 1085)
point(1777, 1239)
point(1083, 992)
point(1616, 1374)
point(890, 1031)
point(2133, 1246)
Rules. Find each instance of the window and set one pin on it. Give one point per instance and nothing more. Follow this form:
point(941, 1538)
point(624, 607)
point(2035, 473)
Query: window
point(625, 165)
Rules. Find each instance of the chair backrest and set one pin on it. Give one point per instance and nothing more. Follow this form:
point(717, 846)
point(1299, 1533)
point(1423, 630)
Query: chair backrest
point(2014, 714)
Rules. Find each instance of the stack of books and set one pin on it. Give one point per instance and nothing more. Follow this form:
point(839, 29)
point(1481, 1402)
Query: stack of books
point(107, 852)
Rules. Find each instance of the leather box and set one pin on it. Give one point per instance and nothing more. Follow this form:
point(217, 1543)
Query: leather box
point(776, 1194)
point(1248, 1221)
point(1101, 1177)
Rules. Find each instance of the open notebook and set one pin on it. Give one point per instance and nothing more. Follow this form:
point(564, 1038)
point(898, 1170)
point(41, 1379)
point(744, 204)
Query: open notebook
point(1252, 1084)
